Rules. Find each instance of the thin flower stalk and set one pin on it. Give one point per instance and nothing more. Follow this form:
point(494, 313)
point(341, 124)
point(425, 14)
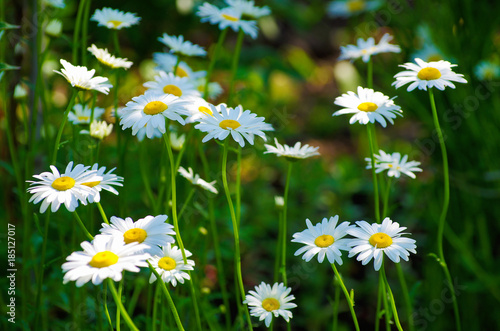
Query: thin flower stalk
point(347, 296)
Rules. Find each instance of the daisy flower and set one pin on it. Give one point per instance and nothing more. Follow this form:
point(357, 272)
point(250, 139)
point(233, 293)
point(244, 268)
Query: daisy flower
point(168, 83)
point(197, 181)
point(54, 189)
point(177, 141)
point(54, 28)
point(150, 110)
point(82, 78)
point(347, 8)
point(248, 8)
point(368, 106)
point(373, 241)
point(214, 88)
point(99, 129)
point(427, 75)
point(365, 49)
point(105, 257)
point(55, 3)
point(267, 301)
point(487, 70)
point(106, 183)
point(178, 45)
point(197, 109)
point(81, 114)
point(107, 59)
point(227, 17)
point(170, 265)
point(292, 153)
point(114, 18)
point(150, 231)
point(324, 238)
point(240, 124)
point(394, 163)
point(141, 134)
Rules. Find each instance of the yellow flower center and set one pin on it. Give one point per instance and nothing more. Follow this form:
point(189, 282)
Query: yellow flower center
point(103, 259)
point(83, 118)
point(134, 235)
point(63, 183)
point(429, 73)
point(324, 240)
point(231, 124)
point(371, 49)
point(167, 263)
point(92, 184)
point(154, 107)
point(381, 240)
point(355, 5)
point(115, 23)
point(172, 89)
point(205, 110)
point(367, 107)
point(181, 72)
point(270, 304)
point(230, 18)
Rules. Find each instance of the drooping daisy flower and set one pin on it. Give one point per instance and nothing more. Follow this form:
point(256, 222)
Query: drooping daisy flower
point(226, 17)
point(151, 231)
point(347, 8)
point(214, 88)
point(108, 181)
point(197, 181)
point(177, 140)
point(373, 241)
point(54, 28)
point(292, 153)
point(248, 8)
point(114, 18)
point(107, 59)
point(240, 124)
point(150, 110)
point(81, 77)
point(99, 130)
point(170, 265)
point(267, 301)
point(55, 3)
point(487, 70)
point(368, 106)
point(365, 49)
point(394, 164)
point(324, 238)
point(104, 258)
point(168, 83)
point(426, 75)
point(55, 189)
point(166, 62)
point(81, 114)
point(197, 109)
point(178, 45)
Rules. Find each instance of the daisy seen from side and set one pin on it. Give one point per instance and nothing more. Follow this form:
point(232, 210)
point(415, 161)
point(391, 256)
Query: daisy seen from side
point(248, 8)
point(366, 48)
point(394, 164)
point(114, 18)
point(82, 78)
point(178, 45)
point(99, 129)
point(294, 153)
point(227, 17)
point(103, 56)
point(81, 114)
point(169, 264)
point(196, 180)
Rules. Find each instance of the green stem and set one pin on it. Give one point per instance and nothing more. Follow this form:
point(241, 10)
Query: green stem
point(187, 200)
point(82, 226)
point(379, 302)
point(76, 32)
point(118, 315)
point(347, 296)
point(369, 79)
point(235, 230)
point(38, 296)
point(238, 185)
point(103, 214)
point(444, 212)
point(144, 175)
point(116, 42)
point(383, 292)
point(391, 297)
point(234, 65)
point(211, 66)
point(61, 127)
point(284, 226)
point(387, 193)
point(277, 260)
point(406, 296)
point(371, 134)
point(336, 305)
point(85, 31)
point(120, 306)
point(106, 311)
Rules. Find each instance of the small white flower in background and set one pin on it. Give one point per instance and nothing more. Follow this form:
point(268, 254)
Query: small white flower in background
point(107, 59)
point(99, 129)
point(427, 75)
point(178, 45)
point(487, 70)
point(166, 62)
point(150, 231)
point(169, 264)
point(240, 124)
point(81, 77)
point(292, 153)
point(197, 181)
point(150, 110)
point(108, 181)
point(394, 164)
point(54, 28)
point(214, 88)
point(54, 189)
point(248, 8)
point(375, 240)
point(267, 301)
point(105, 257)
point(279, 201)
point(348, 8)
point(368, 106)
point(197, 109)
point(55, 3)
point(227, 17)
point(324, 238)
point(20, 91)
point(177, 141)
point(365, 49)
point(114, 18)
point(168, 83)
point(81, 114)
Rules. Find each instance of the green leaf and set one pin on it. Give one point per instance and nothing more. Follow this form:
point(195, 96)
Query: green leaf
point(5, 66)
point(7, 26)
